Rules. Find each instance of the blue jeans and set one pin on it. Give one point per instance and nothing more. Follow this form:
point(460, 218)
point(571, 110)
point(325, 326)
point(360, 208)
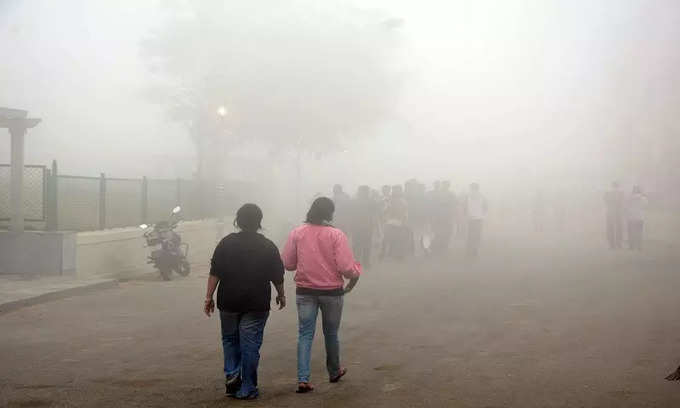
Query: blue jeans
point(331, 312)
point(241, 340)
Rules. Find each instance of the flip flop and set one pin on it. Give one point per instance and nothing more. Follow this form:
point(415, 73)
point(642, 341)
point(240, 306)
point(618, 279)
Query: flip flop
point(340, 374)
point(304, 388)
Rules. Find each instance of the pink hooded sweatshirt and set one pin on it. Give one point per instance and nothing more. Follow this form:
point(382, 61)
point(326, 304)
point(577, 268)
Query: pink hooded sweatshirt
point(321, 256)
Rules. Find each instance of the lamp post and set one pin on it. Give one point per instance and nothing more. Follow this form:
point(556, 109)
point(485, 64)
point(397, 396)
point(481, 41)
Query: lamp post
point(221, 113)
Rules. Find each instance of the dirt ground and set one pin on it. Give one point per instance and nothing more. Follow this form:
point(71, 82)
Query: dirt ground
point(547, 322)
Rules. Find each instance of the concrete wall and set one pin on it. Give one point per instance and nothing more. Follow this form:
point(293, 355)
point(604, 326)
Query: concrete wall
point(35, 253)
point(122, 252)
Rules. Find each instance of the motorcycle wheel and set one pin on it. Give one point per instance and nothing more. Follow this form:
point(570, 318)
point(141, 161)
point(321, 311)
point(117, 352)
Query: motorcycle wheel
point(183, 269)
point(166, 273)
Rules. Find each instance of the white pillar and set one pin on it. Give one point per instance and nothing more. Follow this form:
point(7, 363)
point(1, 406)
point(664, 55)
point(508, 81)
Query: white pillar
point(17, 180)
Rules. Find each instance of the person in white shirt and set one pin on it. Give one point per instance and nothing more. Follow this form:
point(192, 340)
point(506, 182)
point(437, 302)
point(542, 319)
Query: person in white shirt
point(475, 211)
point(635, 209)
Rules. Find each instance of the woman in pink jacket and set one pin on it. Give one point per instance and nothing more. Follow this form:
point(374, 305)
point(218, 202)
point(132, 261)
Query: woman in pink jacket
point(322, 258)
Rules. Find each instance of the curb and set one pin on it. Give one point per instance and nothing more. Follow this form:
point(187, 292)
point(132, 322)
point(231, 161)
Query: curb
point(58, 294)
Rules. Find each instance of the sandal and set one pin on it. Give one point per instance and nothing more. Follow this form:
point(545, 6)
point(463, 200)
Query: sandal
point(340, 374)
point(304, 387)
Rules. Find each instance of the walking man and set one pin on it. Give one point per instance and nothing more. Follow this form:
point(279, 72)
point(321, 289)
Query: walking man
point(475, 210)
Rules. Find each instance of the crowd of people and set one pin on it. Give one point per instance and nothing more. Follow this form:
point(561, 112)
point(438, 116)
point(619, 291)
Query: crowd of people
point(333, 245)
point(404, 220)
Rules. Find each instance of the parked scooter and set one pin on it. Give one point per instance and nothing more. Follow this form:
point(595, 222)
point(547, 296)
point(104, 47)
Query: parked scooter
point(170, 253)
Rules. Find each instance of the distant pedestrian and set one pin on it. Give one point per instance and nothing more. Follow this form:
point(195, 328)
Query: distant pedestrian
point(397, 235)
point(443, 215)
point(614, 205)
point(243, 266)
point(342, 203)
point(475, 210)
point(418, 214)
point(635, 213)
point(321, 256)
point(363, 222)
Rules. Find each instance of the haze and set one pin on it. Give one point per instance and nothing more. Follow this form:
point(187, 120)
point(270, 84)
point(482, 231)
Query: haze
point(504, 181)
point(489, 90)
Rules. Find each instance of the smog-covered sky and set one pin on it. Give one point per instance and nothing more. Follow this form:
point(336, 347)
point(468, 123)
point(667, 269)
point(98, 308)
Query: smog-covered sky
point(485, 90)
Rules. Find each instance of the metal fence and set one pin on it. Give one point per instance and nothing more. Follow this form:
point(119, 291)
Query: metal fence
point(79, 203)
point(34, 194)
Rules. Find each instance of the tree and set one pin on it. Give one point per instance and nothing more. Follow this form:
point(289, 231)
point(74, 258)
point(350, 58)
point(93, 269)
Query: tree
point(292, 75)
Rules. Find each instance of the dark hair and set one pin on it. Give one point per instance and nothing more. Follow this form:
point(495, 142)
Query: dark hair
point(321, 211)
point(248, 218)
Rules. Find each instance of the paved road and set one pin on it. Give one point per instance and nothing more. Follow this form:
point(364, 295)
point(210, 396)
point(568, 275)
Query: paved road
point(522, 327)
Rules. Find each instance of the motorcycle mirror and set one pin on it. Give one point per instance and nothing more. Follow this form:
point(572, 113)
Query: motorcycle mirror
point(176, 209)
point(143, 226)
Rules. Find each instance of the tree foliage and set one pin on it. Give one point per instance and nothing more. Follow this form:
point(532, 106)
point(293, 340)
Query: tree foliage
point(289, 73)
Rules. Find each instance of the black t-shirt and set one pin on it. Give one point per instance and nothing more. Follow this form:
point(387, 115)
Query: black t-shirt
point(246, 262)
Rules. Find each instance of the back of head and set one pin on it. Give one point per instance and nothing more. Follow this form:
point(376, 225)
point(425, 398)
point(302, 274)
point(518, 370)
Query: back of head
point(321, 211)
point(249, 218)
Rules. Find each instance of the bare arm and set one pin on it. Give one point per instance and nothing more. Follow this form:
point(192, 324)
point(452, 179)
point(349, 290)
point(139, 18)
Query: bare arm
point(280, 295)
point(209, 306)
point(351, 284)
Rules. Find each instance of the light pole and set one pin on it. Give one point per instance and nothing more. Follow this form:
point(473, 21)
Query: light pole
point(221, 114)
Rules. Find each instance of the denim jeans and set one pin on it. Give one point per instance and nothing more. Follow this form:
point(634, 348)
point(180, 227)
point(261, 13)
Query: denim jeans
point(331, 312)
point(241, 340)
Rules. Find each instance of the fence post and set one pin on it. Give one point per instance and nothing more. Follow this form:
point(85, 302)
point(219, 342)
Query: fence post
point(102, 201)
point(52, 211)
point(145, 199)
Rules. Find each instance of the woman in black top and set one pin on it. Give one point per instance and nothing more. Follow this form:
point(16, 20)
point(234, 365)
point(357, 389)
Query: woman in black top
point(244, 264)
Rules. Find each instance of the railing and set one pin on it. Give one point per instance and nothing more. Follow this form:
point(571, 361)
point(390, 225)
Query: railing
point(54, 201)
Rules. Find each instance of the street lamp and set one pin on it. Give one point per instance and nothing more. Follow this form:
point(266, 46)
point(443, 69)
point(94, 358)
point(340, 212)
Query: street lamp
point(222, 113)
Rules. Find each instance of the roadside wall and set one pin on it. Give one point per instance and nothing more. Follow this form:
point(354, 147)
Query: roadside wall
point(122, 252)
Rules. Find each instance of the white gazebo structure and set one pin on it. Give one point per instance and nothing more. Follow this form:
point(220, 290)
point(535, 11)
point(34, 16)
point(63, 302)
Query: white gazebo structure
point(34, 253)
point(17, 122)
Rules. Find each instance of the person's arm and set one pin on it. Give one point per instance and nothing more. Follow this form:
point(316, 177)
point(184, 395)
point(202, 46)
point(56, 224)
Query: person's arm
point(350, 285)
point(344, 259)
point(209, 306)
point(280, 295)
point(277, 277)
point(216, 264)
point(289, 254)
